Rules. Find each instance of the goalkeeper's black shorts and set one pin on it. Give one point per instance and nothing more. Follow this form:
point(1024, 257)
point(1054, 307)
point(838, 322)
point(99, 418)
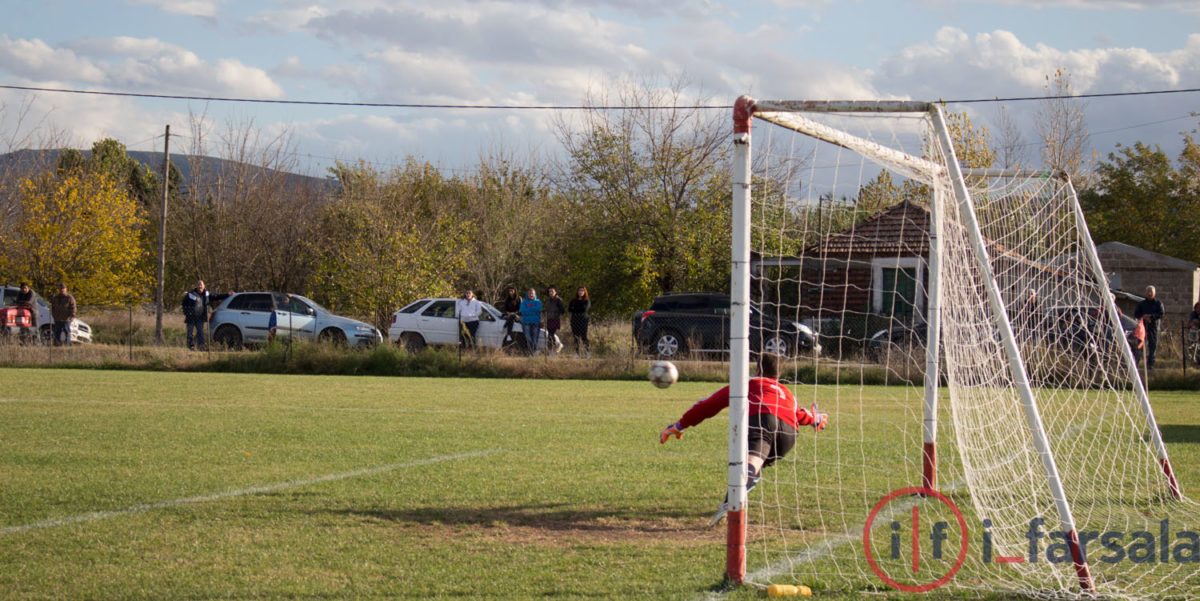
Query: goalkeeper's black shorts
point(769, 437)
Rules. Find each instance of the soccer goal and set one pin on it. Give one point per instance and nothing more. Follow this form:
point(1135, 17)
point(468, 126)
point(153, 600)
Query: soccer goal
point(988, 429)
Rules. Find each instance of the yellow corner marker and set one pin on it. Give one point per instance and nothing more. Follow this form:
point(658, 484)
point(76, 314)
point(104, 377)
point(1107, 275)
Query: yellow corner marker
point(788, 590)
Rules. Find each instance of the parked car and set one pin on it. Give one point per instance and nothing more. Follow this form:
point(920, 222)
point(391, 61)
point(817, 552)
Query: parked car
point(698, 322)
point(431, 321)
point(80, 331)
point(1072, 329)
point(1077, 328)
point(897, 339)
point(242, 318)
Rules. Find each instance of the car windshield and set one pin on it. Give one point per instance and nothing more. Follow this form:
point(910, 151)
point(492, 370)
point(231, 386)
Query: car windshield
point(312, 303)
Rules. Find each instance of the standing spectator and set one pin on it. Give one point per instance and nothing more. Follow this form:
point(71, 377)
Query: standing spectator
point(531, 319)
point(273, 321)
point(579, 307)
point(467, 310)
point(62, 310)
point(1150, 311)
point(195, 315)
point(553, 309)
point(510, 307)
point(1194, 316)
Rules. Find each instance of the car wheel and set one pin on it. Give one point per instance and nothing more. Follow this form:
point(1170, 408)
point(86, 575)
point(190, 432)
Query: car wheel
point(333, 336)
point(228, 336)
point(776, 345)
point(668, 344)
point(47, 333)
point(411, 342)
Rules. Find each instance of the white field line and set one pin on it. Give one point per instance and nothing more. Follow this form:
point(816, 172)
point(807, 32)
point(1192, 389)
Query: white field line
point(241, 492)
point(827, 545)
point(313, 408)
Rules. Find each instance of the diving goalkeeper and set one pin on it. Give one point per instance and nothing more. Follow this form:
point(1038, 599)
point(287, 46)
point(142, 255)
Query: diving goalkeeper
point(774, 418)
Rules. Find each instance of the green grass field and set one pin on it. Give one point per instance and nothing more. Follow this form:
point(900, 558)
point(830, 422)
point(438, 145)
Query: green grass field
point(138, 485)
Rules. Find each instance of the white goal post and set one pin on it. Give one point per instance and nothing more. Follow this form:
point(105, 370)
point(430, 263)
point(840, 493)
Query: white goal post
point(991, 276)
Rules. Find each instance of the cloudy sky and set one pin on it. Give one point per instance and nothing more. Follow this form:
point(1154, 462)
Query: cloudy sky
point(552, 52)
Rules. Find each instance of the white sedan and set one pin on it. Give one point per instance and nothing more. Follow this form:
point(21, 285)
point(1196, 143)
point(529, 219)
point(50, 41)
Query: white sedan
point(432, 321)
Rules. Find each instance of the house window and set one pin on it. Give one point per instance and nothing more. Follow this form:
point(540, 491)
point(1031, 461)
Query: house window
point(898, 287)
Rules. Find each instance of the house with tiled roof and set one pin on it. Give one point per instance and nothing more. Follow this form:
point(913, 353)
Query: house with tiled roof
point(877, 267)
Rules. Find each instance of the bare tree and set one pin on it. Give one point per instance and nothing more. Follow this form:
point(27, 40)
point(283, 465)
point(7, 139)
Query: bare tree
point(1062, 126)
point(1010, 146)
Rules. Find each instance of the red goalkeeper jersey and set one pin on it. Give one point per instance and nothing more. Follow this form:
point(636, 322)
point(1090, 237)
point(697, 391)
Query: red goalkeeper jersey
point(765, 396)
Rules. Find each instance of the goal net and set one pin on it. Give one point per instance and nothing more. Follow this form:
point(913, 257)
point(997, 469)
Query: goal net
point(988, 427)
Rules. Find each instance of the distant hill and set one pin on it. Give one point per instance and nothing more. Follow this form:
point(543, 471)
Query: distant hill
point(40, 159)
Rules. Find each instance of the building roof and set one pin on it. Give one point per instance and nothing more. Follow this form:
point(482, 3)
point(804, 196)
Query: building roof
point(1147, 255)
point(902, 229)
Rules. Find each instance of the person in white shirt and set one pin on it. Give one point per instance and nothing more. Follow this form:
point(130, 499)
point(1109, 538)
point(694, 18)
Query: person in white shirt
point(467, 310)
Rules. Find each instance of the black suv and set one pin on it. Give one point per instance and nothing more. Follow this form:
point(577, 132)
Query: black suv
point(676, 324)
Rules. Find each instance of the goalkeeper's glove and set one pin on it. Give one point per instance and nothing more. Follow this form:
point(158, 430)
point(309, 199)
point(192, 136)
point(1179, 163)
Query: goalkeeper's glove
point(674, 428)
point(819, 419)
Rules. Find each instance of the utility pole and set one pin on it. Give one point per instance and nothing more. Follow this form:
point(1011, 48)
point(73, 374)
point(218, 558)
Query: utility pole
point(162, 236)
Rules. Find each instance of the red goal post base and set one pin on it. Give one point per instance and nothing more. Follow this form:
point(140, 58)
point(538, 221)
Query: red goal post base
point(735, 547)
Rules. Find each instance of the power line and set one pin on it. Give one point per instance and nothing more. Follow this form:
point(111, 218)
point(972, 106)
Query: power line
point(1075, 96)
point(543, 107)
point(399, 105)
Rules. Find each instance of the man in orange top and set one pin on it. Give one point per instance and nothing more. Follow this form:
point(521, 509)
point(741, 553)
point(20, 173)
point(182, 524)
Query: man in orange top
point(774, 418)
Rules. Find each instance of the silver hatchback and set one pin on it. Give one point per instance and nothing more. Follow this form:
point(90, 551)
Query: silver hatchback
point(245, 317)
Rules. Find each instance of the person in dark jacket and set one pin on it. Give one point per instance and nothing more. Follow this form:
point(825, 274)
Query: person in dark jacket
point(62, 311)
point(553, 310)
point(1150, 311)
point(510, 309)
point(195, 315)
point(578, 308)
point(24, 295)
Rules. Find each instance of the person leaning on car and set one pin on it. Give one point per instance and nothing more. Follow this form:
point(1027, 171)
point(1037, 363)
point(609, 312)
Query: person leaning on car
point(62, 310)
point(467, 310)
point(195, 314)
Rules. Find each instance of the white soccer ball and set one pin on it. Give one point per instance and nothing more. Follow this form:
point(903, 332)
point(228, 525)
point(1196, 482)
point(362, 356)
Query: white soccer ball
point(663, 373)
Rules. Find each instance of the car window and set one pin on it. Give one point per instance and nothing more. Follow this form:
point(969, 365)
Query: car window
point(257, 302)
point(720, 305)
point(298, 306)
point(239, 302)
point(412, 307)
point(10, 295)
point(685, 304)
point(442, 308)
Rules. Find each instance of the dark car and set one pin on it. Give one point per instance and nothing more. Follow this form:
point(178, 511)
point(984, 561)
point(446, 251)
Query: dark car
point(698, 322)
point(898, 339)
point(1073, 329)
point(1079, 328)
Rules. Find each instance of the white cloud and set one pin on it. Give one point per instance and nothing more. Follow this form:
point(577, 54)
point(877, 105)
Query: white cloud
point(36, 60)
point(955, 65)
point(139, 64)
point(1183, 6)
point(192, 8)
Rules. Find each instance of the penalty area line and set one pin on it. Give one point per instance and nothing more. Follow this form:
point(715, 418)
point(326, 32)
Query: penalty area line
point(241, 492)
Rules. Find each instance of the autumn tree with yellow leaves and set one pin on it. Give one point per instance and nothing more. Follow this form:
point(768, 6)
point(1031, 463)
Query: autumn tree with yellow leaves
point(77, 227)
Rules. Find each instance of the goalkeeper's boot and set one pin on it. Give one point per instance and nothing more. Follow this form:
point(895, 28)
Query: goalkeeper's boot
point(719, 515)
point(752, 477)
